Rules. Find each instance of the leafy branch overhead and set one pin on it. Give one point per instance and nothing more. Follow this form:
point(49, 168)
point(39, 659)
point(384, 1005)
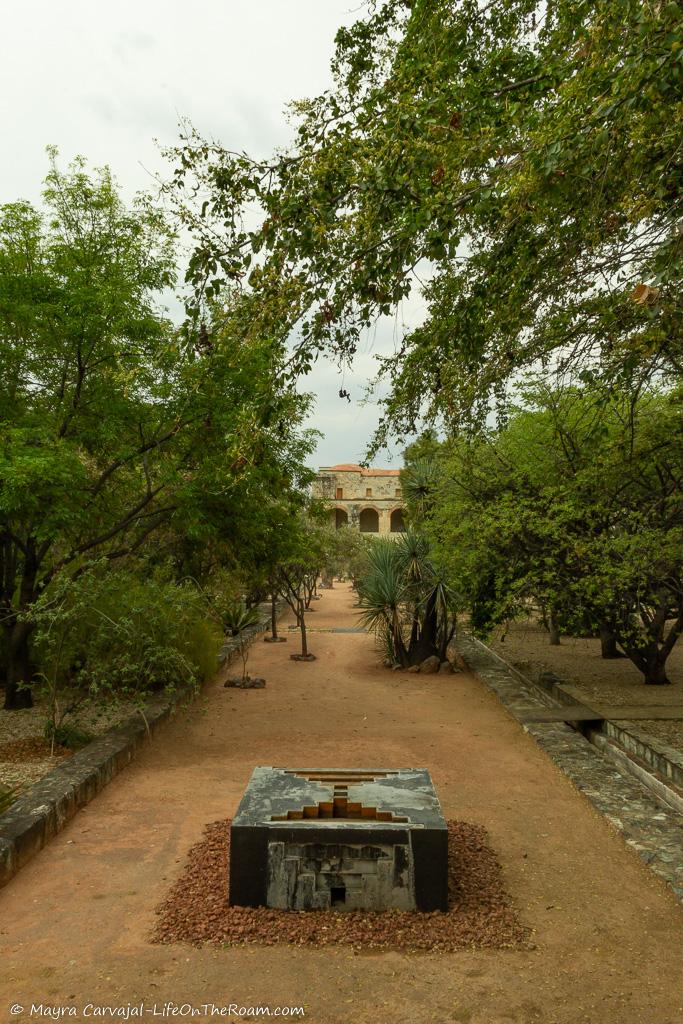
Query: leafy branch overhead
point(523, 157)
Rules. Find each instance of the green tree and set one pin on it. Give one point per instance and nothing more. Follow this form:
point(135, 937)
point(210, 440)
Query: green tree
point(85, 369)
point(575, 505)
point(114, 426)
point(527, 153)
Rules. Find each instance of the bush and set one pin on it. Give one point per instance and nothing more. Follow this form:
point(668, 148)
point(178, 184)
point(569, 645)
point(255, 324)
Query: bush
point(116, 635)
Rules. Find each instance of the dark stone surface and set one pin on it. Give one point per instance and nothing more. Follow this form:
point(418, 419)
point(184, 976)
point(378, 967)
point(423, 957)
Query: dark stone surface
point(273, 793)
point(43, 810)
point(647, 826)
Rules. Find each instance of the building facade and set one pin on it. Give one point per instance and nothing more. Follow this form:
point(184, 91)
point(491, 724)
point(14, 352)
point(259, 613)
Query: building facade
point(368, 500)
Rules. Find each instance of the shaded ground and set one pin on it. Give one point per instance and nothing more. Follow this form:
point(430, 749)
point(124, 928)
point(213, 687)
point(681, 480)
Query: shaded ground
point(75, 924)
point(610, 681)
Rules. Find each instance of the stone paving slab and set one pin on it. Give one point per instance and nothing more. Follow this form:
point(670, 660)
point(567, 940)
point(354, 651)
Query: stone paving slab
point(654, 832)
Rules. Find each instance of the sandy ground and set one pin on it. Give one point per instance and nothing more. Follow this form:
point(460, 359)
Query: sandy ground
point(612, 681)
point(75, 923)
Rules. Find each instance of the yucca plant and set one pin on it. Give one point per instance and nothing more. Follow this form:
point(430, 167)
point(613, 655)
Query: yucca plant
point(381, 596)
point(404, 601)
point(418, 483)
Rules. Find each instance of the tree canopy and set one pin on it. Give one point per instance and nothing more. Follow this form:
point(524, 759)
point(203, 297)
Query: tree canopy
point(115, 427)
point(575, 506)
point(524, 156)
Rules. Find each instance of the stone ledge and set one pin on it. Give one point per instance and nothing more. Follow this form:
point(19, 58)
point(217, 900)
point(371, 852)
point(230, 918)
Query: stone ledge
point(46, 806)
point(654, 832)
point(660, 757)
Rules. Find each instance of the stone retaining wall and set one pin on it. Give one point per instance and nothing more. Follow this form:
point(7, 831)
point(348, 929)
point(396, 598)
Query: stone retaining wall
point(653, 831)
point(45, 807)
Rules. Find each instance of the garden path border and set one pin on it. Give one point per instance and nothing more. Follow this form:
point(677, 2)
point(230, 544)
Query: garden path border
point(654, 831)
point(45, 807)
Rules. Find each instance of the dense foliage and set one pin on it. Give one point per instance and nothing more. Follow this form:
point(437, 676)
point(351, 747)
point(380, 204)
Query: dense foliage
point(575, 507)
point(524, 156)
point(123, 441)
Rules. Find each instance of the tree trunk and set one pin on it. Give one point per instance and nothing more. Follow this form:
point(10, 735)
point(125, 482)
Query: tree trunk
point(426, 644)
point(18, 669)
point(655, 667)
point(553, 629)
point(608, 643)
point(302, 625)
point(273, 615)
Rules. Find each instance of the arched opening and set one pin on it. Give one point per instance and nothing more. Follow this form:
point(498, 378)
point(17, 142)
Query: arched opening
point(369, 521)
point(341, 518)
point(397, 523)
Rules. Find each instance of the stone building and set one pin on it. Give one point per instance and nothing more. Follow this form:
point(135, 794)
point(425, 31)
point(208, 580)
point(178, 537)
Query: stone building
point(368, 500)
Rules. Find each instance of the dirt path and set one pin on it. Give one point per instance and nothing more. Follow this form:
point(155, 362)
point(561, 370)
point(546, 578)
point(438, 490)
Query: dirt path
point(74, 924)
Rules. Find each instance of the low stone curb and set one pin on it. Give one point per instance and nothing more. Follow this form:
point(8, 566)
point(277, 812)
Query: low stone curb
point(654, 832)
point(46, 806)
point(660, 757)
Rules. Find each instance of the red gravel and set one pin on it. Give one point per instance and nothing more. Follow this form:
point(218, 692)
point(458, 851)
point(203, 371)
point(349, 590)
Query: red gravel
point(480, 912)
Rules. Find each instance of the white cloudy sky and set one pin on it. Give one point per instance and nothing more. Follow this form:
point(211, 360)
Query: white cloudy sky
point(106, 80)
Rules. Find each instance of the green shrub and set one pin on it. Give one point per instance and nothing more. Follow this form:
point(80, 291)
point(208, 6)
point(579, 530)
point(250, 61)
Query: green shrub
point(69, 736)
point(7, 798)
point(120, 635)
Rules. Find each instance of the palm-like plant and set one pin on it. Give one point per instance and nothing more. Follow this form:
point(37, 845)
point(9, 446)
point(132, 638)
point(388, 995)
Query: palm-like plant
point(237, 619)
point(381, 595)
point(418, 481)
point(404, 601)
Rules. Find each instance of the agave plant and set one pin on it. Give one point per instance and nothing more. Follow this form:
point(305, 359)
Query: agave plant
point(405, 602)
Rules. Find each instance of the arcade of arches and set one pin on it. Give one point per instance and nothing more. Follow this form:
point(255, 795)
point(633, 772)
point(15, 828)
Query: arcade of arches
point(365, 499)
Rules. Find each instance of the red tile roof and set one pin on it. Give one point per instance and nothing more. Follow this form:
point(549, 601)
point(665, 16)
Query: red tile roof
point(350, 467)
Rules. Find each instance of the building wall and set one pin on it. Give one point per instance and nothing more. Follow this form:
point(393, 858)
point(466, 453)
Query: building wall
point(355, 491)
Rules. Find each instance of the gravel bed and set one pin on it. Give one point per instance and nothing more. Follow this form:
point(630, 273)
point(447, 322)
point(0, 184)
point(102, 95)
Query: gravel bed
point(480, 911)
point(25, 757)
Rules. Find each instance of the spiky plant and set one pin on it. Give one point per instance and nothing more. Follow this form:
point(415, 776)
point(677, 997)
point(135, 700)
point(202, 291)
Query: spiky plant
point(381, 594)
point(237, 619)
point(404, 601)
point(418, 482)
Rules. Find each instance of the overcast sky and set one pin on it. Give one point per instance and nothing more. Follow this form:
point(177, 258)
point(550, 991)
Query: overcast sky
point(106, 80)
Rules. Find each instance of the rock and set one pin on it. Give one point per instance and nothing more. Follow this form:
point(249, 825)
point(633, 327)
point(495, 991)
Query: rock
point(414, 668)
point(250, 683)
point(430, 665)
point(445, 667)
